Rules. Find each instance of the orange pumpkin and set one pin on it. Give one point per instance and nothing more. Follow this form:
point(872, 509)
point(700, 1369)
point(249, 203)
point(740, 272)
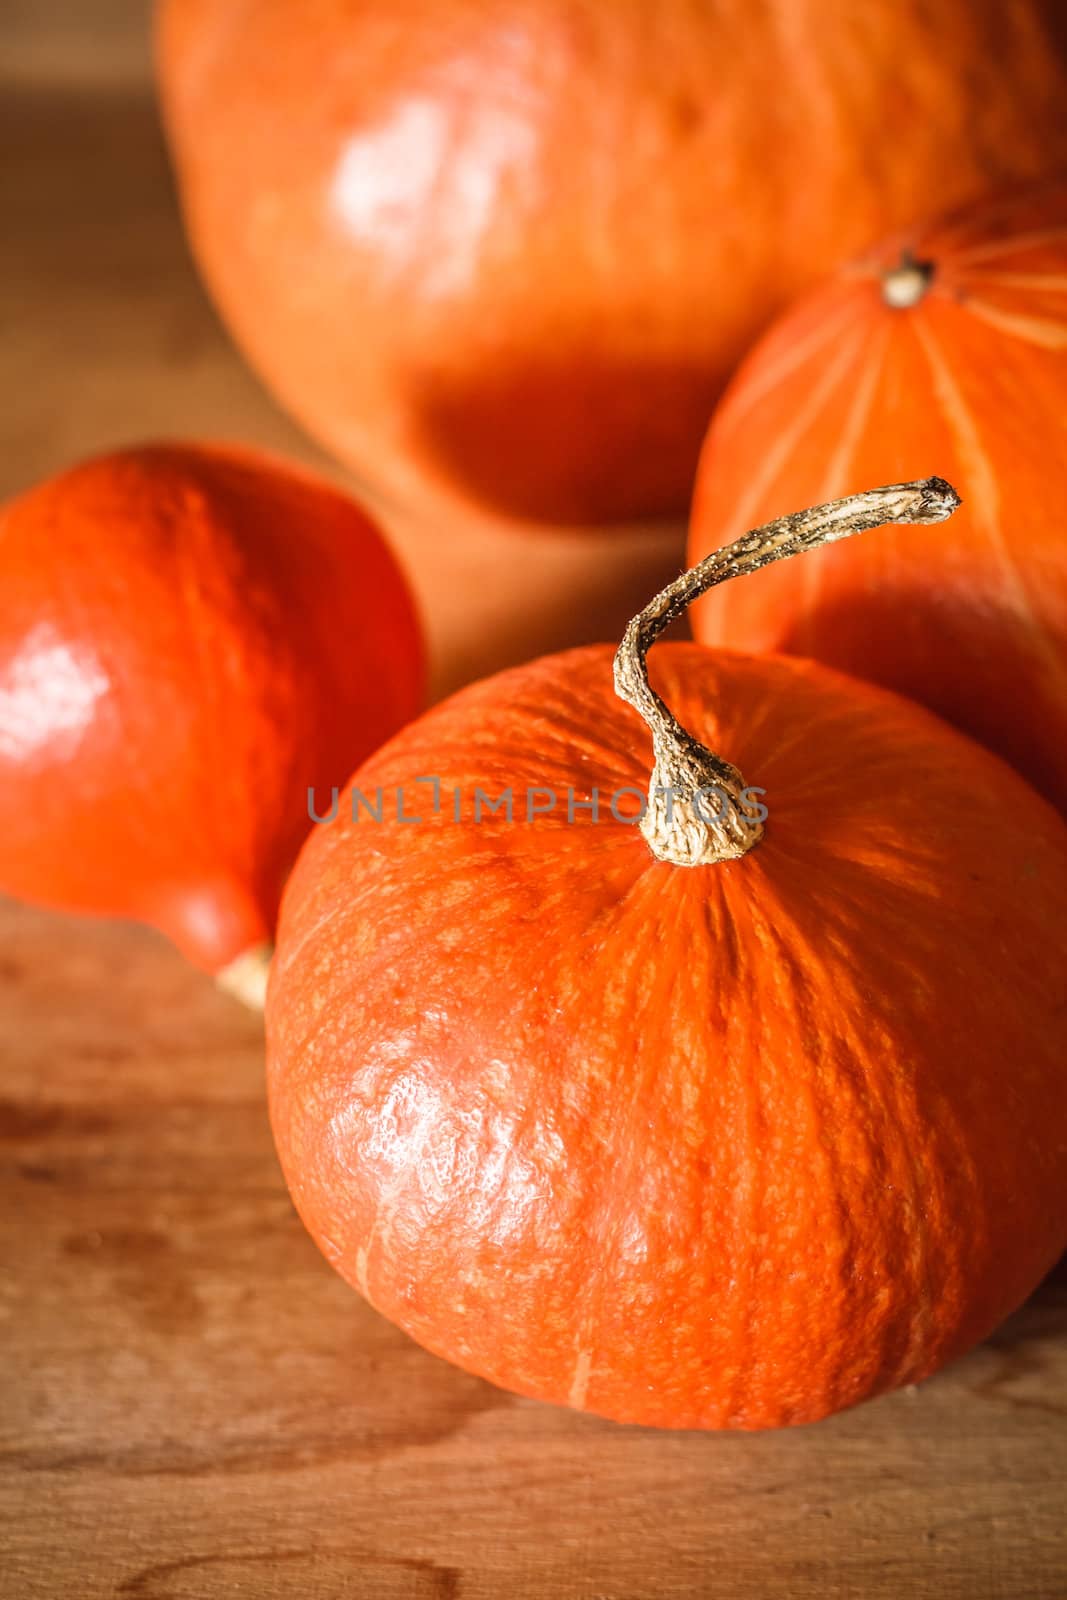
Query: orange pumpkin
point(189, 637)
point(501, 255)
point(697, 1128)
point(950, 346)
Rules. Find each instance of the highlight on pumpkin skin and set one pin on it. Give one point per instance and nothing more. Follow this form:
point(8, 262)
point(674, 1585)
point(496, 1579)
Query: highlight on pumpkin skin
point(675, 825)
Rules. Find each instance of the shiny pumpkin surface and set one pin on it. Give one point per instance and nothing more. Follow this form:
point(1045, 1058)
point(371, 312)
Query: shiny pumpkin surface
point(501, 255)
point(189, 636)
point(728, 1146)
point(849, 390)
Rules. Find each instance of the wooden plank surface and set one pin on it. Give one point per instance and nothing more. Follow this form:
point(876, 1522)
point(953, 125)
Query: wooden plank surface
point(194, 1405)
point(191, 1404)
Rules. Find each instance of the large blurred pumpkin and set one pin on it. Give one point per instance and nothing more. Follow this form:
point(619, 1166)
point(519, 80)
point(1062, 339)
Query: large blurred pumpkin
point(503, 253)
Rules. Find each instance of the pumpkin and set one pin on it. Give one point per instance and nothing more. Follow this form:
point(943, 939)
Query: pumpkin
point(725, 1118)
point(949, 344)
point(189, 637)
point(501, 255)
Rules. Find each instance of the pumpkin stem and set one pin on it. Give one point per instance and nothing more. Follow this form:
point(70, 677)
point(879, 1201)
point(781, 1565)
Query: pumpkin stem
point(246, 977)
point(697, 812)
point(905, 284)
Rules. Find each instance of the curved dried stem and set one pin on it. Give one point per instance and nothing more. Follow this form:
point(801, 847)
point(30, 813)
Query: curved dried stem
point(688, 821)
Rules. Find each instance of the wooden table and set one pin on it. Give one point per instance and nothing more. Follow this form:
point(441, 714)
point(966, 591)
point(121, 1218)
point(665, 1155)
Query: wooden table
point(192, 1405)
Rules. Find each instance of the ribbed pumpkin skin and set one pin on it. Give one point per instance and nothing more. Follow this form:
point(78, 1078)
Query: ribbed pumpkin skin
point(729, 1146)
point(972, 382)
point(502, 254)
point(189, 636)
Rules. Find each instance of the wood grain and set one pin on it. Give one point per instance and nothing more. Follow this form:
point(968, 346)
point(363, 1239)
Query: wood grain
point(191, 1404)
point(194, 1405)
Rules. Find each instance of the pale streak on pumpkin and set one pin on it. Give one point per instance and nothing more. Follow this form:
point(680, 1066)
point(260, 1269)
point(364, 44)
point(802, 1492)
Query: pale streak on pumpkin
point(1041, 331)
point(983, 491)
point(835, 483)
point(328, 916)
point(580, 1382)
point(715, 599)
point(787, 441)
point(1009, 247)
point(380, 1232)
point(796, 355)
point(1052, 282)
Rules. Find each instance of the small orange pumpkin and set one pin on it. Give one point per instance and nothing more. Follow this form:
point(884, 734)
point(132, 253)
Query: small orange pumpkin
point(948, 345)
point(709, 1122)
point(189, 637)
